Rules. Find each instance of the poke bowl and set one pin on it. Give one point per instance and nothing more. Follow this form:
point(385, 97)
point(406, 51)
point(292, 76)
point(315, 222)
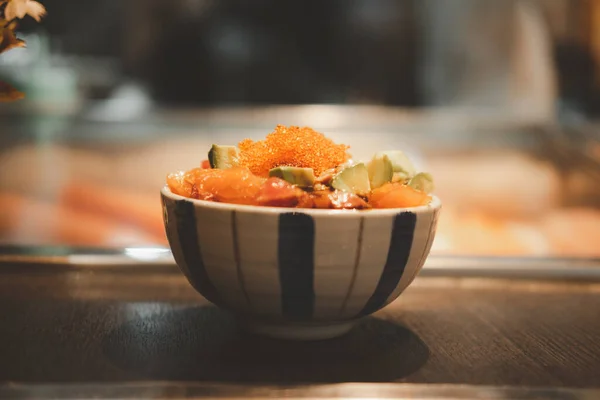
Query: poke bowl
point(294, 262)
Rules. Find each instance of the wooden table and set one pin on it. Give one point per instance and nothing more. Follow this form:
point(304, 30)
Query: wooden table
point(116, 325)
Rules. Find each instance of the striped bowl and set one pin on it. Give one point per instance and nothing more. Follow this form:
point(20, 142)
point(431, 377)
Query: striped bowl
point(298, 273)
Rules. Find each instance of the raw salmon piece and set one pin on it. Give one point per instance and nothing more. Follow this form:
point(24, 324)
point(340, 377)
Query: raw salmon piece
point(394, 195)
point(234, 185)
point(276, 192)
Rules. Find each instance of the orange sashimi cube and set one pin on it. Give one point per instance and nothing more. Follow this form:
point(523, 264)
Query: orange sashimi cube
point(182, 183)
point(276, 192)
point(234, 185)
point(395, 195)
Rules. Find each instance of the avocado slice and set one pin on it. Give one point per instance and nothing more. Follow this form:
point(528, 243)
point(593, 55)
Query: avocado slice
point(381, 171)
point(223, 157)
point(400, 163)
point(354, 179)
point(401, 177)
point(422, 181)
point(302, 177)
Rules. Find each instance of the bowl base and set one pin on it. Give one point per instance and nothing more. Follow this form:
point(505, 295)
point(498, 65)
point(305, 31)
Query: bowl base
point(299, 332)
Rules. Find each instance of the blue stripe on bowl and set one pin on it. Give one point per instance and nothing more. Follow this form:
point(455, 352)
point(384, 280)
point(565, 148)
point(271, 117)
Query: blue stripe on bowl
point(403, 230)
point(296, 246)
point(428, 243)
point(170, 221)
point(359, 239)
point(237, 258)
point(257, 243)
point(192, 253)
point(417, 251)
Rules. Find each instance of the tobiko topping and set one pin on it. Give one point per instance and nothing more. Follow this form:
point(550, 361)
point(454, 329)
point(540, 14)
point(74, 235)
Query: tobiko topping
point(294, 147)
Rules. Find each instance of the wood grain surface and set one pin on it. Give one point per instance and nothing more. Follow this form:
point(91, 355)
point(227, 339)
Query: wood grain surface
point(94, 326)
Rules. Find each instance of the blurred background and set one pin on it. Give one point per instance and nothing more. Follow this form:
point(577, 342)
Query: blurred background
point(498, 99)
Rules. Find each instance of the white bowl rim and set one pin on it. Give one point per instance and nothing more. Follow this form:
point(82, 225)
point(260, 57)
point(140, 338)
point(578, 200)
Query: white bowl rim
point(433, 205)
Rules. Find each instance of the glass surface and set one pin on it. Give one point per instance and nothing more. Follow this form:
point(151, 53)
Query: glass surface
point(497, 99)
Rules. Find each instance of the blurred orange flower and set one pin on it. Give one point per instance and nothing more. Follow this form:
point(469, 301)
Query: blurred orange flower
point(10, 11)
point(20, 8)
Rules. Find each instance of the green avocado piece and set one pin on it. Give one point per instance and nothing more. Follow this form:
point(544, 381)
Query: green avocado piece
point(400, 162)
point(354, 179)
point(223, 157)
point(302, 177)
point(400, 177)
point(422, 181)
point(380, 170)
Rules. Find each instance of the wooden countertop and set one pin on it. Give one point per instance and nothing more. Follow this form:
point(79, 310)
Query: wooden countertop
point(73, 326)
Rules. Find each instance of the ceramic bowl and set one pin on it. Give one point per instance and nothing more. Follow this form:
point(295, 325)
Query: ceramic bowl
point(298, 273)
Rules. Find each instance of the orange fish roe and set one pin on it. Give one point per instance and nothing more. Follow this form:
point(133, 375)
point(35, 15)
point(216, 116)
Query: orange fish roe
point(292, 146)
